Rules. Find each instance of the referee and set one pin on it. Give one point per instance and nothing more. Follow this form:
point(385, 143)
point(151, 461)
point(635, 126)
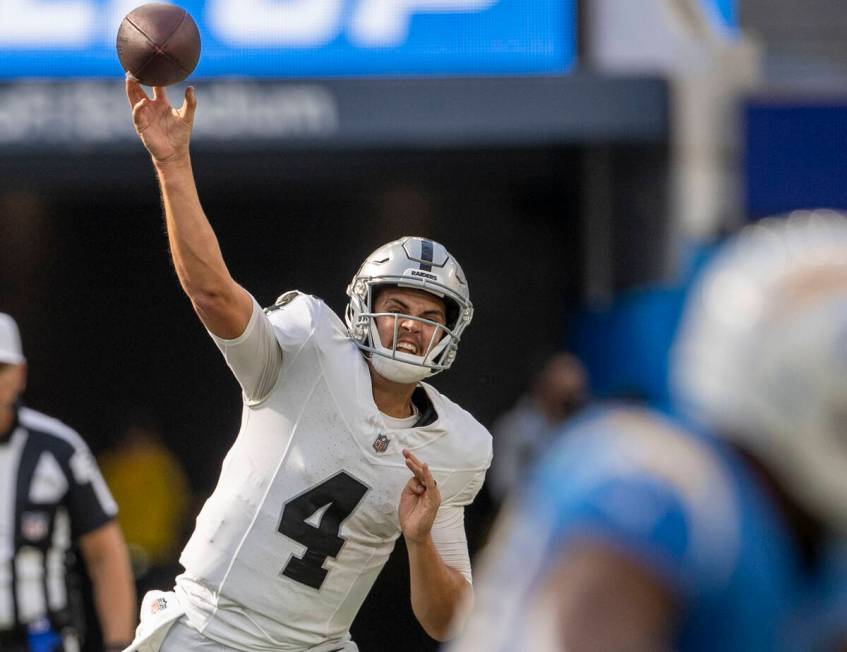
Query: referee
point(53, 499)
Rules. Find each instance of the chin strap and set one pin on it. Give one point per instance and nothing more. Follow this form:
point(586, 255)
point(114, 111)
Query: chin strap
point(398, 371)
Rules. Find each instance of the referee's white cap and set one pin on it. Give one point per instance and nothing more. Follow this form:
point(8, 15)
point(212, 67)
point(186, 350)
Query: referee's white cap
point(10, 341)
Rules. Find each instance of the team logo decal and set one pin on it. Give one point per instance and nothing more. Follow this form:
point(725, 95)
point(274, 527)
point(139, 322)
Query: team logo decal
point(381, 443)
point(426, 275)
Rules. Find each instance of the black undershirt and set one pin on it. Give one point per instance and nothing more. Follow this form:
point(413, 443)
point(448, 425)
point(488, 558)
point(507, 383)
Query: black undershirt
point(427, 412)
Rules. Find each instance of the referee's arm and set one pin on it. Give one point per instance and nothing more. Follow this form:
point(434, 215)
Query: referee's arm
point(108, 567)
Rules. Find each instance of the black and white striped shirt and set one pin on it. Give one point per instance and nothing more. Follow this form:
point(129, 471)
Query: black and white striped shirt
point(51, 493)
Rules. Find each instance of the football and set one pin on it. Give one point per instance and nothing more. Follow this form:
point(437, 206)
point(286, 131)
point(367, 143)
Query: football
point(158, 44)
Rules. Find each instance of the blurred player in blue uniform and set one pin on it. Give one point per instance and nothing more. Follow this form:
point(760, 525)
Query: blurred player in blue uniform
point(641, 532)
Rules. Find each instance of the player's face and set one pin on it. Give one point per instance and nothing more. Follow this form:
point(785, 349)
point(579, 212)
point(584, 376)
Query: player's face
point(12, 378)
point(413, 336)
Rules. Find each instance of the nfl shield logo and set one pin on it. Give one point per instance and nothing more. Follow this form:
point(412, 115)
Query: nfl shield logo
point(35, 525)
point(381, 443)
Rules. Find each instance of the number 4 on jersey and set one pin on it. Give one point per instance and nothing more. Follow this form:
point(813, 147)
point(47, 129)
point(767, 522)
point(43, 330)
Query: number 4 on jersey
point(337, 497)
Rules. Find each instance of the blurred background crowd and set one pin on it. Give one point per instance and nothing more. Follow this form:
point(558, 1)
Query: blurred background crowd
point(581, 159)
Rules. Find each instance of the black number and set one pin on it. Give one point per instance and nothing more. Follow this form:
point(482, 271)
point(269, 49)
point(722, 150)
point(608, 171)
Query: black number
point(342, 493)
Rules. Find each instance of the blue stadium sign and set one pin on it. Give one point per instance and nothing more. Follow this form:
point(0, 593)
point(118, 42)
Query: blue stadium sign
point(303, 38)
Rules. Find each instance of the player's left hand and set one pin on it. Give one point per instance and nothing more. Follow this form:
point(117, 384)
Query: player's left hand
point(419, 502)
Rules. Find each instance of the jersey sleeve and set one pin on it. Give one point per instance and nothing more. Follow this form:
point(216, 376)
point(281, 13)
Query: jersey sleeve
point(254, 357)
point(88, 500)
point(449, 538)
point(299, 321)
point(466, 495)
point(448, 529)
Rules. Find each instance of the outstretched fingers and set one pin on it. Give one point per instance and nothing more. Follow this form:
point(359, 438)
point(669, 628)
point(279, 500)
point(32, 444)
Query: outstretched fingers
point(134, 92)
point(189, 106)
point(429, 481)
point(160, 94)
point(417, 483)
point(414, 465)
point(421, 471)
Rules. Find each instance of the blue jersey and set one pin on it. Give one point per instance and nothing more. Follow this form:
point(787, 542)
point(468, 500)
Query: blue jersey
point(687, 509)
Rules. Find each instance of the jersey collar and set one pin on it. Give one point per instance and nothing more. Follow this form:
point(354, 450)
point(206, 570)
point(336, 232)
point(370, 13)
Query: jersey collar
point(428, 415)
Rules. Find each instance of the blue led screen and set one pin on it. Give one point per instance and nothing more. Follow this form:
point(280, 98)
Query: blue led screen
point(303, 38)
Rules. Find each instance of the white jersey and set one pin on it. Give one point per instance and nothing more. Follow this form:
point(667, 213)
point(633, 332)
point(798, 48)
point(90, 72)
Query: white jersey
point(305, 513)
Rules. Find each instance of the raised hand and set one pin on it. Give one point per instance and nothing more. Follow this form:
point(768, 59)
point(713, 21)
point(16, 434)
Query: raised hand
point(419, 501)
point(164, 130)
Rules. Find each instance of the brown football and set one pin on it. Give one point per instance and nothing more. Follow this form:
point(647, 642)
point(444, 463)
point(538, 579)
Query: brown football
point(158, 44)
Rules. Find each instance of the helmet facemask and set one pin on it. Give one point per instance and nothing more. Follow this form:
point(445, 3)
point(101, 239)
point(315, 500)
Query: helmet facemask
point(390, 361)
point(393, 265)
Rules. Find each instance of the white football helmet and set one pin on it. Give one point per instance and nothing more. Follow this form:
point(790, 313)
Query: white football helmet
point(761, 355)
point(421, 264)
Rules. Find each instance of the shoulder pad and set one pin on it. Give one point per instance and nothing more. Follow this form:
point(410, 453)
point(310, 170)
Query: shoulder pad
point(283, 300)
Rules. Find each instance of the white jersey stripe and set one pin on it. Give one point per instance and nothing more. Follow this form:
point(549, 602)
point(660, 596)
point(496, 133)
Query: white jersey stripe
point(29, 566)
point(57, 596)
point(10, 456)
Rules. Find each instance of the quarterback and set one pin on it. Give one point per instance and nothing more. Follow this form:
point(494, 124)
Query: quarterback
point(342, 447)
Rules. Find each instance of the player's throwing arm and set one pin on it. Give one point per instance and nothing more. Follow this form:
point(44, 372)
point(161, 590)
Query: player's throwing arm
point(222, 305)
